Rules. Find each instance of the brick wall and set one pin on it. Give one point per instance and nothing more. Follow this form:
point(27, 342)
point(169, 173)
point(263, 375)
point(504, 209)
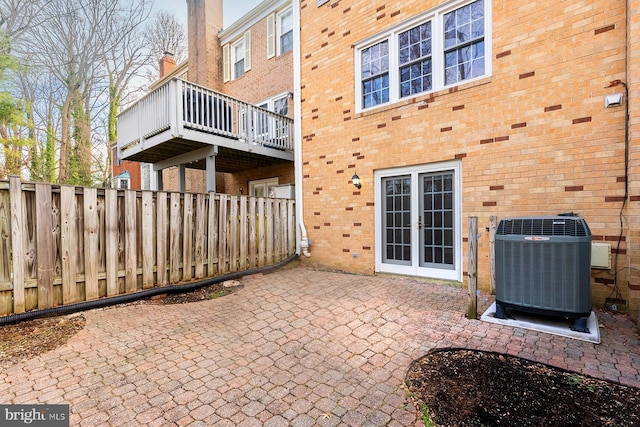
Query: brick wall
point(238, 183)
point(533, 138)
point(267, 77)
point(633, 216)
point(205, 53)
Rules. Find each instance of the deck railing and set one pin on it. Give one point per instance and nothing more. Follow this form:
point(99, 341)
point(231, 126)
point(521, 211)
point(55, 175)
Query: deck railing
point(62, 245)
point(179, 105)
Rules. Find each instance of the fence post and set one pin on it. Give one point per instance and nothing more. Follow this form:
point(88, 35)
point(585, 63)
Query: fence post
point(472, 308)
point(17, 243)
point(493, 225)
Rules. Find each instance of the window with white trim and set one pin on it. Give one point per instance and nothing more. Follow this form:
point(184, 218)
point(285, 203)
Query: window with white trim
point(442, 47)
point(262, 187)
point(285, 31)
point(237, 58)
point(123, 183)
point(271, 127)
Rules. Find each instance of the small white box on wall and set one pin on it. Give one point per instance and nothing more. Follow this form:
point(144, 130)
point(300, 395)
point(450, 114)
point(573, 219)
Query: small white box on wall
point(601, 255)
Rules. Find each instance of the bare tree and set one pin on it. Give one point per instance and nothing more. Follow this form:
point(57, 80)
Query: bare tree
point(125, 60)
point(19, 16)
point(165, 34)
point(86, 45)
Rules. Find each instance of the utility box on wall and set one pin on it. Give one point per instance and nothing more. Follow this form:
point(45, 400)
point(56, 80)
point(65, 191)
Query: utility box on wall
point(601, 256)
point(284, 191)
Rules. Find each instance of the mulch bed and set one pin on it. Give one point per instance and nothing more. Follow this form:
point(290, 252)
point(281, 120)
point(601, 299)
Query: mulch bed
point(476, 388)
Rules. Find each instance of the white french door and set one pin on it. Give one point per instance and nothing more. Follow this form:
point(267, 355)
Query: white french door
point(418, 221)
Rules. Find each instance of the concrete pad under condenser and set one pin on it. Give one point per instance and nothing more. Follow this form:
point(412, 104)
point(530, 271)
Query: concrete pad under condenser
point(550, 325)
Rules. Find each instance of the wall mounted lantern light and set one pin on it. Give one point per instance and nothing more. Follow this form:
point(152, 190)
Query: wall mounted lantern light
point(355, 179)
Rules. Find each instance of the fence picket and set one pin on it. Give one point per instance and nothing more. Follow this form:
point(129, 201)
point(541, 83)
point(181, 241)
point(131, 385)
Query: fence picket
point(44, 253)
point(262, 231)
point(111, 240)
point(161, 230)
point(233, 234)
point(269, 232)
point(244, 233)
point(148, 250)
point(223, 235)
point(187, 238)
point(174, 239)
point(91, 243)
point(212, 236)
point(130, 252)
point(17, 243)
point(253, 251)
point(200, 235)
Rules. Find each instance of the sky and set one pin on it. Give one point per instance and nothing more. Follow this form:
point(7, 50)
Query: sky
point(233, 9)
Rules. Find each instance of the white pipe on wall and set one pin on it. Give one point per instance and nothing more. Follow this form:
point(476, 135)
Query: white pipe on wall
point(303, 240)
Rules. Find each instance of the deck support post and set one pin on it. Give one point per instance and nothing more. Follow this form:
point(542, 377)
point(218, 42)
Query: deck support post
point(182, 178)
point(211, 169)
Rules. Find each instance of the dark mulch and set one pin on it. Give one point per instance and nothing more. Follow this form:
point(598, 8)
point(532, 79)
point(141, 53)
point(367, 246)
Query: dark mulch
point(475, 388)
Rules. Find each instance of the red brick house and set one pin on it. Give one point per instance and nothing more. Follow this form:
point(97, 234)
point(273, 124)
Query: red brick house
point(222, 120)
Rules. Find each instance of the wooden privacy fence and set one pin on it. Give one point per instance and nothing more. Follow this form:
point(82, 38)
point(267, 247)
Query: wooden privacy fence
point(62, 244)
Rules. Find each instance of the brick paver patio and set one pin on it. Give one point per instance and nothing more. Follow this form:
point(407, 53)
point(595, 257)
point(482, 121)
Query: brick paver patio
point(296, 347)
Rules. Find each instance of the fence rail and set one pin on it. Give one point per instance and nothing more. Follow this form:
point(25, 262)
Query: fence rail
point(62, 245)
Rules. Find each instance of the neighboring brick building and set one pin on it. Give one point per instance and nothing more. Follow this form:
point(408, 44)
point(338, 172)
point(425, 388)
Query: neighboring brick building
point(485, 108)
point(258, 70)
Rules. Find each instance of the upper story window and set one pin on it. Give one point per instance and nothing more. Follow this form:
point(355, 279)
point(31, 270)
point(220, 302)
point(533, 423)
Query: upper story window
point(279, 33)
point(237, 58)
point(375, 74)
point(414, 47)
point(442, 47)
point(285, 31)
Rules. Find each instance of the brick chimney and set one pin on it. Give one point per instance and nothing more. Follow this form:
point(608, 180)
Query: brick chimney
point(167, 63)
point(204, 22)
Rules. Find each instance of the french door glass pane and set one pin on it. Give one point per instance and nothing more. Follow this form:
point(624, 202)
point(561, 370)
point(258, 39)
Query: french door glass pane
point(397, 219)
point(437, 211)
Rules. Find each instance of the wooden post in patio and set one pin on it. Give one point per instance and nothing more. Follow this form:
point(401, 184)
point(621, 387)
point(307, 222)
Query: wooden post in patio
point(472, 308)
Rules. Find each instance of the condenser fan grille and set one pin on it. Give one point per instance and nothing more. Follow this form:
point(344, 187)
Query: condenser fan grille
point(552, 226)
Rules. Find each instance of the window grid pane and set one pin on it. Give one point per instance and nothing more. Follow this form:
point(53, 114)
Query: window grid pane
point(414, 47)
point(375, 74)
point(464, 43)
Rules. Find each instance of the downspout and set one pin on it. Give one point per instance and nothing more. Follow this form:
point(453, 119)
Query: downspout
point(303, 242)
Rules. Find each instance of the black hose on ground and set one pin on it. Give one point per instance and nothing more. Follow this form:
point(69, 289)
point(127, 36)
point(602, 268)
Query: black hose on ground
point(147, 293)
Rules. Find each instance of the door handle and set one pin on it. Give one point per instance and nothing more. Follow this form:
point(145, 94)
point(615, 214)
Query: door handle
point(419, 223)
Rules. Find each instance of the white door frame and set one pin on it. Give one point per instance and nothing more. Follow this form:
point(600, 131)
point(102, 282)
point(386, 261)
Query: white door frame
point(414, 269)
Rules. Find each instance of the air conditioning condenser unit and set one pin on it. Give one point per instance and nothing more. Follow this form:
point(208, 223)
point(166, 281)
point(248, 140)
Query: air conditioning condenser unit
point(543, 267)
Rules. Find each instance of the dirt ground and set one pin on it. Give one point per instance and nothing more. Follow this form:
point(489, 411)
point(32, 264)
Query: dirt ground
point(449, 387)
point(474, 388)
